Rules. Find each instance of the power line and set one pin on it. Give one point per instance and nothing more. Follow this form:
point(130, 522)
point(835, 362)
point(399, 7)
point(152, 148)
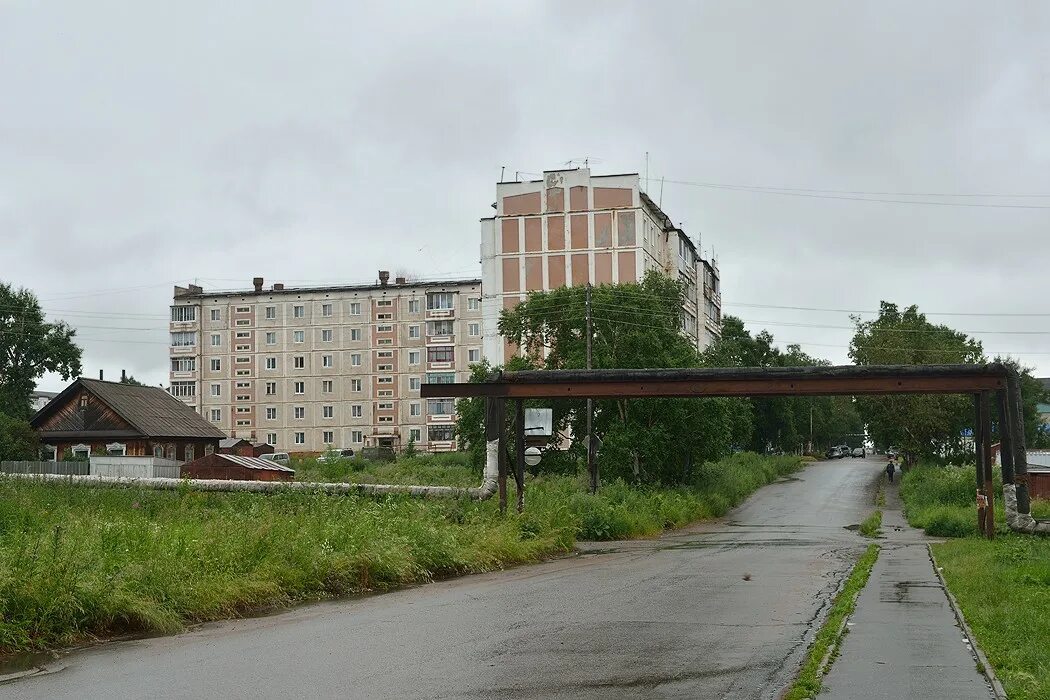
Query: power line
point(874, 193)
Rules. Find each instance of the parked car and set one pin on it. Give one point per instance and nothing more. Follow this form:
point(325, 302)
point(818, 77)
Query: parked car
point(892, 453)
point(345, 453)
point(279, 457)
point(379, 454)
point(834, 452)
point(859, 452)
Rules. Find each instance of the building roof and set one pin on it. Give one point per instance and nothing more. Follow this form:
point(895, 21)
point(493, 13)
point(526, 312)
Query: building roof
point(150, 410)
point(185, 293)
point(253, 463)
point(232, 442)
point(44, 394)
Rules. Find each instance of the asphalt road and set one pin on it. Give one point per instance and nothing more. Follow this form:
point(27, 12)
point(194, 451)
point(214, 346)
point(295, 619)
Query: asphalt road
point(722, 610)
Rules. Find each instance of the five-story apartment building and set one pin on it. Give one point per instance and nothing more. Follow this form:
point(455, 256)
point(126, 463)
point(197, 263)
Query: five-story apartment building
point(308, 368)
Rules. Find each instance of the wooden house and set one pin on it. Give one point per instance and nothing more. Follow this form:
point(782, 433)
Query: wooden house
point(244, 448)
point(236, 467)
point(95, 417)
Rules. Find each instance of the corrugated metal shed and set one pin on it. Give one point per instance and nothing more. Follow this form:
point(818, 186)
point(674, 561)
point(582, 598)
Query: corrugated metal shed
point(255, 463)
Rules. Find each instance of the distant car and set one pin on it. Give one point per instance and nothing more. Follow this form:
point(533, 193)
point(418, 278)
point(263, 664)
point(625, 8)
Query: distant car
point(892, 453)
point(279, 457)
point(859, 452)
point(834, 452)
point(345, 453)
point(378, 454)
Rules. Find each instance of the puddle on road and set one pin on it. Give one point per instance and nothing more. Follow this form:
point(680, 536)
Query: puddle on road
point(19, 665)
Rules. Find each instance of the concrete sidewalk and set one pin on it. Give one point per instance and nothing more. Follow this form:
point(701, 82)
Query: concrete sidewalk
point(904, 641)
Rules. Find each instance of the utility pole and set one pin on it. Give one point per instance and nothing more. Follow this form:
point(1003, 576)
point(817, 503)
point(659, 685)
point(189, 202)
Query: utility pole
point(592, 467)
point(811, 430)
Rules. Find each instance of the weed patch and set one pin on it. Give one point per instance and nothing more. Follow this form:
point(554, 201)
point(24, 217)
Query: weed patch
point(872, 525)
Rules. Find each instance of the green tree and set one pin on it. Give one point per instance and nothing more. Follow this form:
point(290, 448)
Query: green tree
point(633, 326)
point(130, 379)
point(18, 440)
point(29, 347)
point(928, 425)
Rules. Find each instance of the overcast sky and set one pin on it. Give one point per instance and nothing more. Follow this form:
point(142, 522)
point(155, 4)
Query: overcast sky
point(148, 143)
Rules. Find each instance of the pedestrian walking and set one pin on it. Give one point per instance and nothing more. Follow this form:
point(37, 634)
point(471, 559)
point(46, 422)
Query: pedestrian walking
point(890, 468)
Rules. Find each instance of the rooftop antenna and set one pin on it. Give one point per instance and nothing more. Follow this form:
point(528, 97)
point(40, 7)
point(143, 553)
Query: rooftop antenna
point(661, 205)
point(647, 171)
point(501, 169)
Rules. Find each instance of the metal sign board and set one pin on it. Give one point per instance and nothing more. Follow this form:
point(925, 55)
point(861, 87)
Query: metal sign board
point(539, 422)
point(532, 456)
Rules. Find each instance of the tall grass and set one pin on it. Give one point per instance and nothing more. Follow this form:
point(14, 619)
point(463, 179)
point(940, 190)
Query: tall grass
point(79, 562)
point(445, 469)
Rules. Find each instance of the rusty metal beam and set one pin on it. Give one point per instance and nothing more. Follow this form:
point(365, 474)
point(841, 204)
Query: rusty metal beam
point(663, 383)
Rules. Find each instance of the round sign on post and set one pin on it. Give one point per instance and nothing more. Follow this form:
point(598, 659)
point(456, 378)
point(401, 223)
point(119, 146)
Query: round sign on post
point(532, 456)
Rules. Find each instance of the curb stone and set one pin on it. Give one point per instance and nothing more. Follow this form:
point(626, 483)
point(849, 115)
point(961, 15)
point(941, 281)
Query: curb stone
point(989, 673)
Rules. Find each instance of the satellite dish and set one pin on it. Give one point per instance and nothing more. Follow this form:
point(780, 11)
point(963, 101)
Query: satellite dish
point(532, 456)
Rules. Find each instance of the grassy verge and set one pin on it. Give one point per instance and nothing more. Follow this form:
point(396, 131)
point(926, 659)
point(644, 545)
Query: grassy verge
point(808, 682)
point(450, 469)
point(872, 526)
point(1003, 586)
point(77, 563)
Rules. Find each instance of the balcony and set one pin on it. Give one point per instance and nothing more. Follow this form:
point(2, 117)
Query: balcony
point(440, 313)
point(183, 349)
point(441, 340)
point(187, 374)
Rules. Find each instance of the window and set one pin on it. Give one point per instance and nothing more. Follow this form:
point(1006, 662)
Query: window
point(384, 341)
point(271, 312)
point(473, 304)
point(216, 389)
point(439, 328)
point(182, 314)
point(183, 364)
point(385, 393)
point(328, 437)
point(356, 436)
point(271, 338)
point(327, 411)
point(216, 365)
point(413, 357)
point(413, 331)
point(386, 406)
point(300, 438)
point(326, 310)
point(326, 386)
point(244, 385)
point(244, 309)
point(300, 362)
point(244, 409)
point(384, 368)
point(271, 363)
point(244, 322)
point(271, 413)
point(300, 387)
point(243, 348)
point(414, 409)
point(271, 388)
point(300, 412)
point(413, 383)
point(298, 336)
point(384, 380)
point(474, 329)
point(383, 354)
point(298, 311)
point(355, 334)
point(440, 300)
point(385, 328)
point(384, 317)
point(444, 353)
point(244, 334)
point(184, 390)
point(386, 419)
point(188, 454)
point(271, 438)
point(243, 372)
point(216, 415)
point(413, 435)
point(443, 433)
point(216, 315)
point(243, 360)
point(184, 339)
point(355, 359)
point(216, 340)
point(326, 335)
point(474, 355)
point(355, 411)
point(441, 407)
point(243, 397)
point(244, 423)
point(326, 361)
point(413, 306)
point(355, 385)
point(383, 302)
point(355, 308)
point(441, 378)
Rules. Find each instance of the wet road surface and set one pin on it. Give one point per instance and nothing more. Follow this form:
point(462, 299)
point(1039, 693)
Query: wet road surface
point(723, 609)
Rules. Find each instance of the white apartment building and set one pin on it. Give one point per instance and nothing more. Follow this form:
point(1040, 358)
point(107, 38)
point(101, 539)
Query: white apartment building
point(571, 228)
point(307, 368)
